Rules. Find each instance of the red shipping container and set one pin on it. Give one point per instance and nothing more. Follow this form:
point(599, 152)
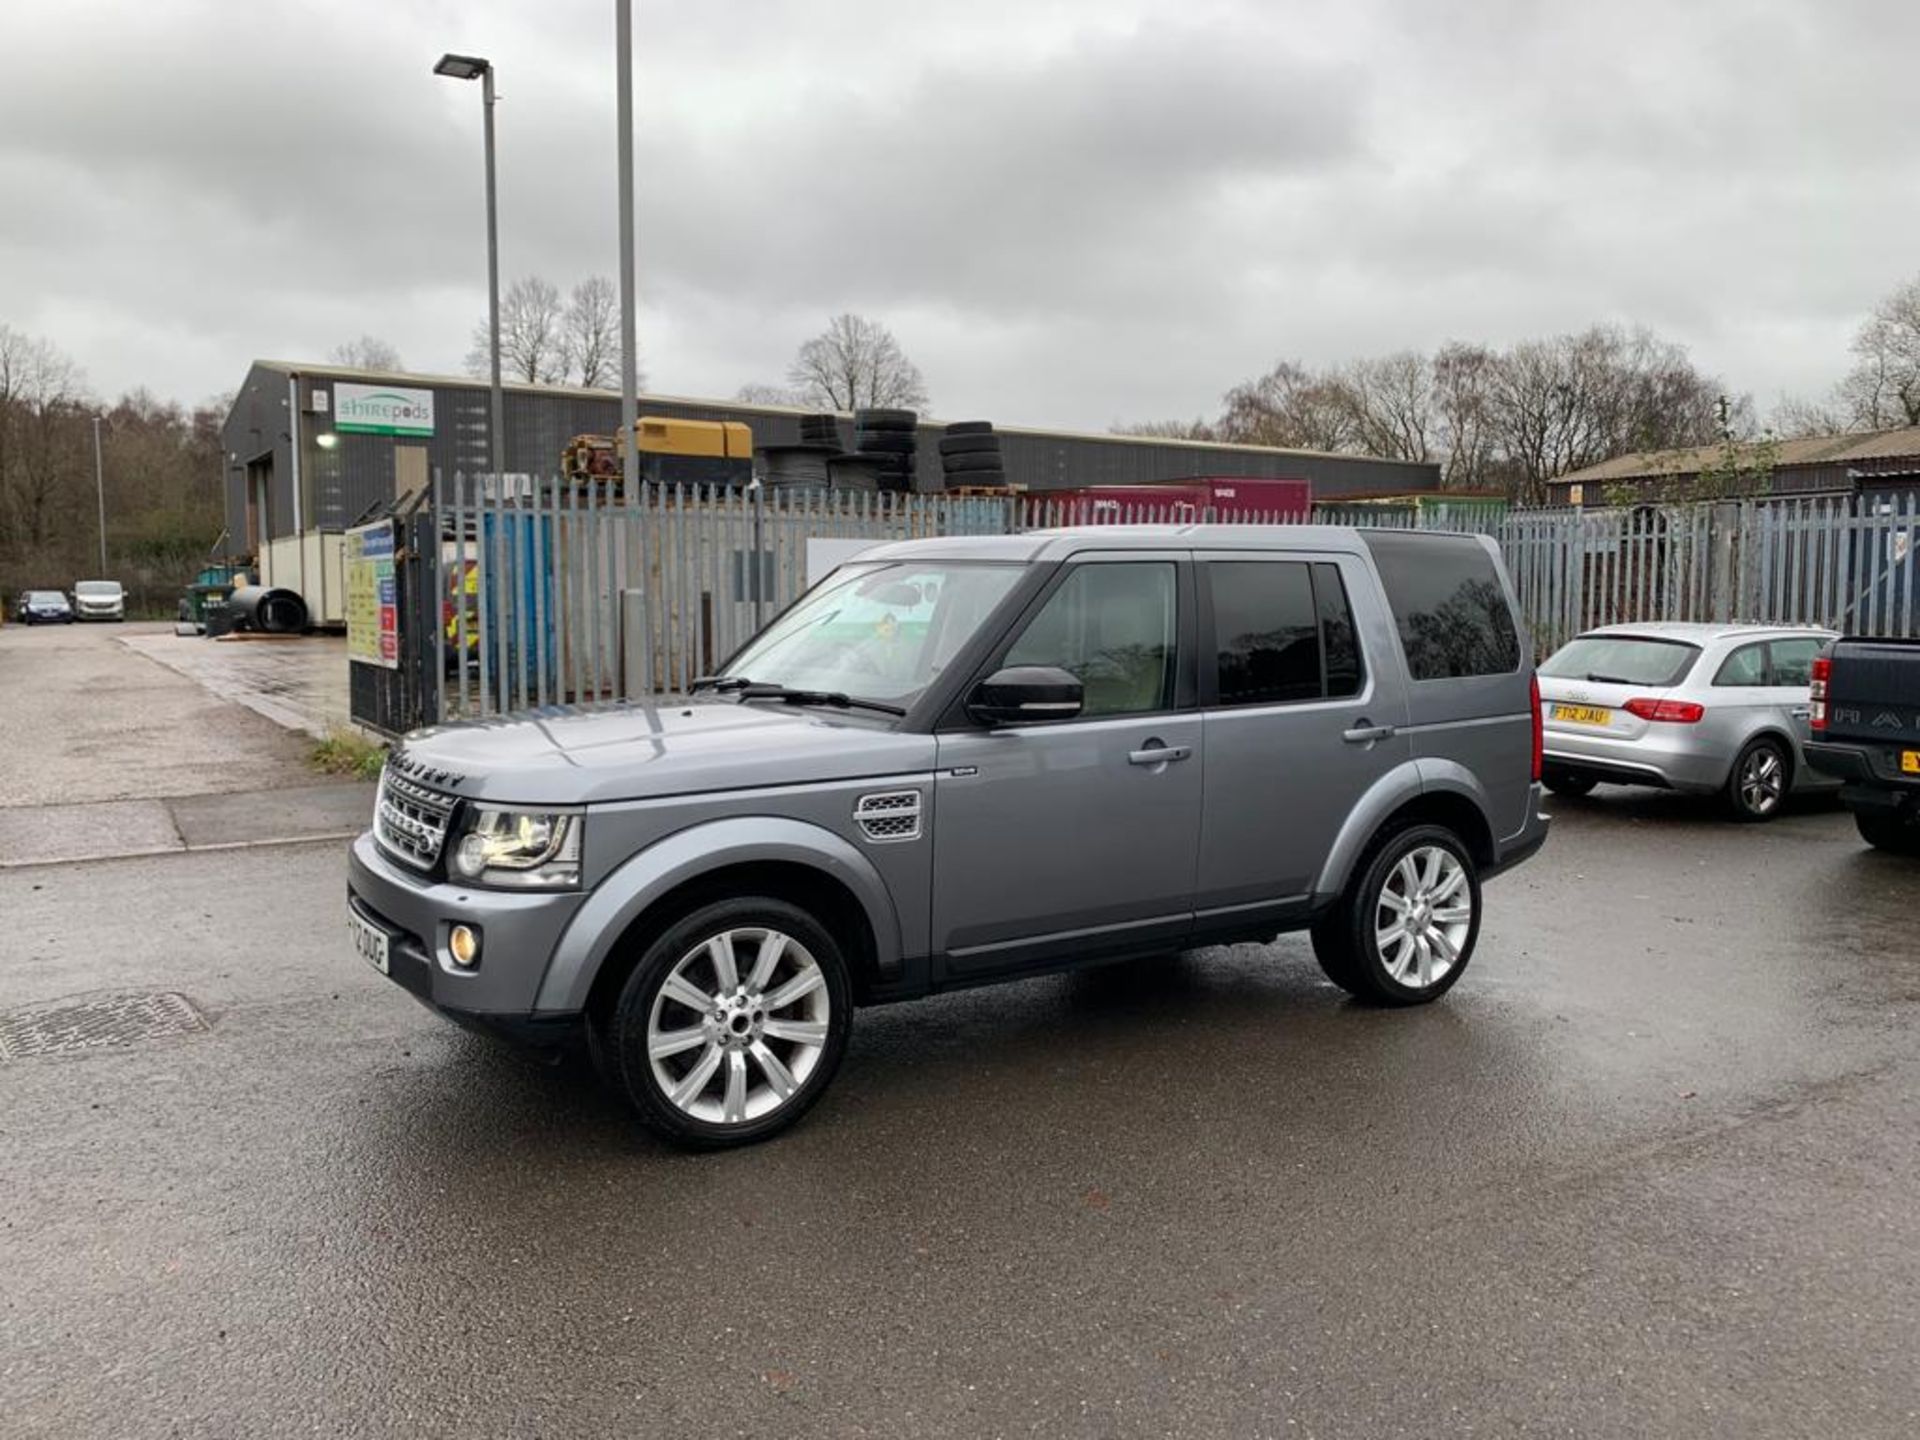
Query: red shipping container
point(1228, 498)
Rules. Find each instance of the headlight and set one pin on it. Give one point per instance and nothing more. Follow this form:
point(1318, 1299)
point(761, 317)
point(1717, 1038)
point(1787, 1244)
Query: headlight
point(520, 849)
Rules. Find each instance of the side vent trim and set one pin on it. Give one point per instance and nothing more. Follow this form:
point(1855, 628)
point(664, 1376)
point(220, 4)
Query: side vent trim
point(888, 816)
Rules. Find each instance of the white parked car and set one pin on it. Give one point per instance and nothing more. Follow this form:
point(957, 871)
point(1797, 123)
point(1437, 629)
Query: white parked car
point(1703, 708)
point(99, 600)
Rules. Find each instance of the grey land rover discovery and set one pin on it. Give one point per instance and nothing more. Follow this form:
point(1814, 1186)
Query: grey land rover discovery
point(966, 760)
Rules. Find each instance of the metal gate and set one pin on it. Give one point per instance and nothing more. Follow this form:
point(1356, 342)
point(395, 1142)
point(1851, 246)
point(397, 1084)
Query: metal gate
point(407, 696)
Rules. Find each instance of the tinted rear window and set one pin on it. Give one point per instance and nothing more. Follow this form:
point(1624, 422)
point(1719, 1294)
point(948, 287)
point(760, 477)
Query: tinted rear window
point(1448, 603)
point(1622, 660)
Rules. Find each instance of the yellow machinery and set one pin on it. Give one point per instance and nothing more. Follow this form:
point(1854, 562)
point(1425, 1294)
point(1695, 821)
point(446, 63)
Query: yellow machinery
point(672, 452)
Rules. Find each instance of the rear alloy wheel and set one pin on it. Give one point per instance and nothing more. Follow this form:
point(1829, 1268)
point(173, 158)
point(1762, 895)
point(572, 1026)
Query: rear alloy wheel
point(1407, 926)
point(1896, 834)
point(733, 1023)
point(1759, 782)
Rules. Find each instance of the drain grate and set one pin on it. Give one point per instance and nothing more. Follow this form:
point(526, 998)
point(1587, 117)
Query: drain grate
point(96, 1022)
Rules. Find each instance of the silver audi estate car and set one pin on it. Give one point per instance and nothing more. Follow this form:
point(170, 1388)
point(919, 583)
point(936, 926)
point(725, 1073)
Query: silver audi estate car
point(1702, 708)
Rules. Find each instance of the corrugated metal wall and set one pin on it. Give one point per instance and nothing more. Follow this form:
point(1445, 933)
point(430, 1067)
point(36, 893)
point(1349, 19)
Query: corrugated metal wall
point(343, 482)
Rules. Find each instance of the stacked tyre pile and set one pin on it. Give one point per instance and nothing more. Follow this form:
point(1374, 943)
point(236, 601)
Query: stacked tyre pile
point(970, 455)
point(886, 440)
point(806, 466)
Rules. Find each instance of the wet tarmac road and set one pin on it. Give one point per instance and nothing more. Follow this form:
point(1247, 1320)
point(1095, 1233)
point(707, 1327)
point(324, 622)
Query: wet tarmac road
point(1648, 1170)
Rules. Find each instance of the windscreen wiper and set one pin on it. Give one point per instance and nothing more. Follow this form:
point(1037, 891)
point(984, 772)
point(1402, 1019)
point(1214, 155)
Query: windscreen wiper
point(754, 690)
point(1609, 680)
point(719, 684)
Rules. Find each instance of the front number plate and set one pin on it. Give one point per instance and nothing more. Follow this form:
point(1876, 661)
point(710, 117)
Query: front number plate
point(1583, 714)
point(1910, 762)
point(369, 941)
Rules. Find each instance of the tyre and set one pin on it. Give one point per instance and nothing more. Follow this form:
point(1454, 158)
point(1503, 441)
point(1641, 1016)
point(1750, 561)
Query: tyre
point(1405, 929)
point(966, 464)
point(1896, 834)
point(885, 442)
point(970, 444)
point(1759, 781)
point(1562, 782)
point(886, 419)
point(731, 1024)
point(976, 480)
point(969, 427)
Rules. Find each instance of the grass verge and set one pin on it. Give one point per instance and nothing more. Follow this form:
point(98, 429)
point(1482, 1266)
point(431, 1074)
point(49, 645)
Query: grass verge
point(346, 753)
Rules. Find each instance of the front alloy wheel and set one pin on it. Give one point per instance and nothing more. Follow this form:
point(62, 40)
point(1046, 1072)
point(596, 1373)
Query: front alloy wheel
point(732, 1023)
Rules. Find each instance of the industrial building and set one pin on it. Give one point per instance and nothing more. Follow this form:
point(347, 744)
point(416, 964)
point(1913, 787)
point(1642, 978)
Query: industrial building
point(1875, 463)
point(313, 449)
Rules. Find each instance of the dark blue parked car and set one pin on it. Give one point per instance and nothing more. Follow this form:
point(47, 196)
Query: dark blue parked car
point(43, 607)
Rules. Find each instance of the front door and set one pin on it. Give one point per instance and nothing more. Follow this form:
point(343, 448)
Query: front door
point(1301, 721)
point(1077, 837)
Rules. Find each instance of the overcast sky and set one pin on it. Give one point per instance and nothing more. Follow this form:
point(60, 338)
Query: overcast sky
point(1071, 212)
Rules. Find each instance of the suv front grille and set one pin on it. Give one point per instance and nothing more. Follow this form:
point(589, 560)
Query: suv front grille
point(410, 820)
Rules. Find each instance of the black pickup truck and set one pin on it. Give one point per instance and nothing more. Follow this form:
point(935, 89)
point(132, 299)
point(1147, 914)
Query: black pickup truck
point(1866, 731)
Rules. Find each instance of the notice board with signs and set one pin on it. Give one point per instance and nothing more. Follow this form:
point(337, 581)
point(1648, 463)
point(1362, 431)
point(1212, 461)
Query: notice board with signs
point(373, 600)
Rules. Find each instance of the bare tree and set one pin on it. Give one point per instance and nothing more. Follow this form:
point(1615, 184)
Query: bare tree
point(1167, 429)
point(1395, 412)
point(369, 352)
point(43, 409)
point(532, 336)
point(1293, 408)
point(590, 333)
point(1462, 381)
point(1883, 389)
point(1797, 417)
point(1569, 401)
point(768, 395)
point(856, 364)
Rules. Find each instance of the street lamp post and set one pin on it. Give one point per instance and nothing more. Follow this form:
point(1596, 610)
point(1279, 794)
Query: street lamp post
point(629, 359)
point(473, 67)
point(100, 491)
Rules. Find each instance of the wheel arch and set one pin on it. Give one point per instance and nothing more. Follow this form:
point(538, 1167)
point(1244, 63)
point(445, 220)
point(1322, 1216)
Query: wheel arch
point(790, 859)
point(1419, 791)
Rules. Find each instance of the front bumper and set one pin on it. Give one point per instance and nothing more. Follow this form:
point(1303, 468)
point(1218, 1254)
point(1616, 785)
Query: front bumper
point(1667, 756)
point(86, 613)
point(518, 935)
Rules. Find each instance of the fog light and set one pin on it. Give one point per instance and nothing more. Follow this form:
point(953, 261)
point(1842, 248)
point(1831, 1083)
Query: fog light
point(463, 943)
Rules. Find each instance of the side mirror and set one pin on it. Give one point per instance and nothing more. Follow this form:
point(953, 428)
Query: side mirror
point(1025, 694)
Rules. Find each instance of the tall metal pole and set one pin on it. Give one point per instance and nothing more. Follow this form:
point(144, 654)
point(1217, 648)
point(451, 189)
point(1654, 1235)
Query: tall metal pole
point(100, 489)
point(629, 332)
point(496, 425)
point(629, 360)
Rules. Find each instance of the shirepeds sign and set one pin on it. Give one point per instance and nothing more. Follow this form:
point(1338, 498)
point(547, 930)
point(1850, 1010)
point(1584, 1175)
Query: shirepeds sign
point(373, 603)
point(382, 410)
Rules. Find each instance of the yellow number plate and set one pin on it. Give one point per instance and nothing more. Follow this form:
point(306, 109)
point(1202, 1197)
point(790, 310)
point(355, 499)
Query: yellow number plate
point(1910, 762)
point(1583, 714)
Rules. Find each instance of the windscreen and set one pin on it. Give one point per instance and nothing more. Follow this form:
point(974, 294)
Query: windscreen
point(878, 631)
point(45, 597)
point(1622, 660)
point(109, 589)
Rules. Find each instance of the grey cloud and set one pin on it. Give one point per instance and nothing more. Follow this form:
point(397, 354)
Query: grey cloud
point(1071, 211)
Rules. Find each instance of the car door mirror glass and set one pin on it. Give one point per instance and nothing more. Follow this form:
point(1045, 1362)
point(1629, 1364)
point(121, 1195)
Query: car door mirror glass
point(1026, 695)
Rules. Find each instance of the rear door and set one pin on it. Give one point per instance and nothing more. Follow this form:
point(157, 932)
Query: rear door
point(1790, 693)
point(1300, 721)
point(1469, 700)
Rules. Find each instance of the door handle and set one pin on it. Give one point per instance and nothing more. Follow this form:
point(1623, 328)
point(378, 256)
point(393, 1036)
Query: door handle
point(1155, 754)
point(1803, 714)
point(1365, 734)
